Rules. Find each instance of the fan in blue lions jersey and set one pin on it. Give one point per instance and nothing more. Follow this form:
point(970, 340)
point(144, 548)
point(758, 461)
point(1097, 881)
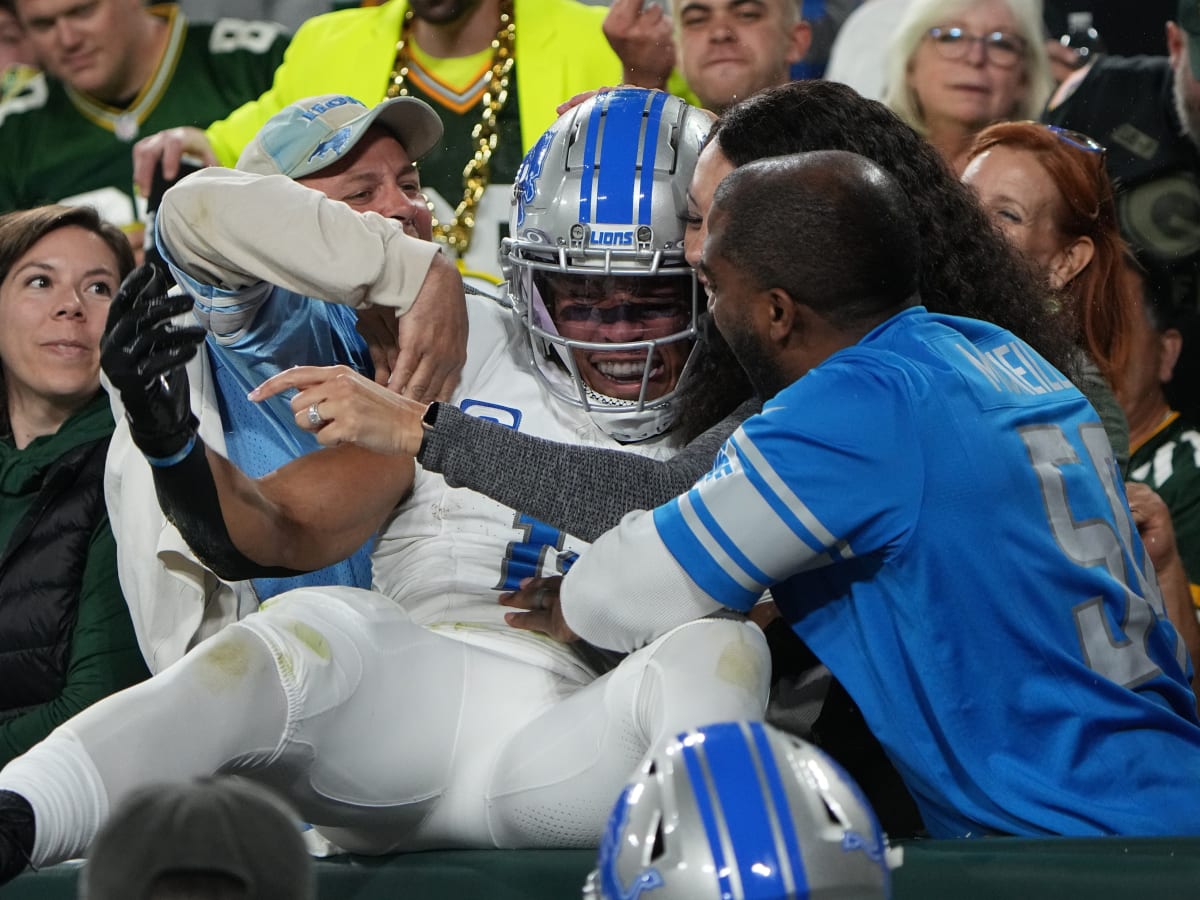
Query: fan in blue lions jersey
point(938, 514)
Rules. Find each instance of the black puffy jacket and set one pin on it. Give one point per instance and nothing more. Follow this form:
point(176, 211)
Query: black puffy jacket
point(41, 574)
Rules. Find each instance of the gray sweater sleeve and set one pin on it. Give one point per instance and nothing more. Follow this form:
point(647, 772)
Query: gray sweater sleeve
point(582, 490)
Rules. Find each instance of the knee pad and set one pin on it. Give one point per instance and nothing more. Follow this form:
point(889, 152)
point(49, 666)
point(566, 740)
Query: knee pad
point(733, 652)
point(702, 672)
point(319, 638)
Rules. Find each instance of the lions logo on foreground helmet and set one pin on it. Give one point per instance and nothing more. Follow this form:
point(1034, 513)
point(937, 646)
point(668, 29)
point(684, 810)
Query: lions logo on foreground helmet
point(740, 810)
point(602, 197)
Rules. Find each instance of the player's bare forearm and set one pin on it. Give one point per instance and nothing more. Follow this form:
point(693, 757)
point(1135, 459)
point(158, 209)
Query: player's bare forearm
point(314, 511)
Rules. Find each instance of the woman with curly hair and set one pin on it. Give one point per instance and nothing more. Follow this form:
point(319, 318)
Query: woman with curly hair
point(967, 268)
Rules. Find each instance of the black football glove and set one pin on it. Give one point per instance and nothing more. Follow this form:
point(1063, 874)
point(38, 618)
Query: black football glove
point(143, 354)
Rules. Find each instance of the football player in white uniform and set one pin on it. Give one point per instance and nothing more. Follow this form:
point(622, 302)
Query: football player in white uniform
point(412, 716)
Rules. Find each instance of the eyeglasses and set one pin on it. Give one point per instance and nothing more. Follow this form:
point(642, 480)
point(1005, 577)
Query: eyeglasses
point(1002, 49)
point(1077, 139)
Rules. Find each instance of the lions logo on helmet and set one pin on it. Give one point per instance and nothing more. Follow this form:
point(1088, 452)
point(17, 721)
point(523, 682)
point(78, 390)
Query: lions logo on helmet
point(603, 195)
point(530, 170)
point(740, 810)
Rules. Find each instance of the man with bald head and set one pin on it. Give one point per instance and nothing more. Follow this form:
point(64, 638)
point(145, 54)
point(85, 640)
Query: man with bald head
point(937, 513)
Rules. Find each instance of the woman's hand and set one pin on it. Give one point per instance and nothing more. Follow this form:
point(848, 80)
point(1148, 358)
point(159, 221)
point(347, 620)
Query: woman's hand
point(340, 406)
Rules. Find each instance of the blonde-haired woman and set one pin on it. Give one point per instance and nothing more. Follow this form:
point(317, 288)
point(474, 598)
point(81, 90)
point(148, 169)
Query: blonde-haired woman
point(957, 66)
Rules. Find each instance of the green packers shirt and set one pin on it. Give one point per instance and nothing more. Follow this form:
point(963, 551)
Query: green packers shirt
point(58, 145)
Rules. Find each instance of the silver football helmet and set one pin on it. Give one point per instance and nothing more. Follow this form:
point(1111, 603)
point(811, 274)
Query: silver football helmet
point(737, 810)
point(599, 201)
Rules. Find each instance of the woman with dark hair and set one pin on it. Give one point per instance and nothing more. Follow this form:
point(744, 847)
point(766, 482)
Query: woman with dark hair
point(66, 639)
point(967, 268)
point(1048, 191)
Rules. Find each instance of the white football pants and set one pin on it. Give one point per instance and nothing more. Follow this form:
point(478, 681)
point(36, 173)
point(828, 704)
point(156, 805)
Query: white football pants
point(389, 736)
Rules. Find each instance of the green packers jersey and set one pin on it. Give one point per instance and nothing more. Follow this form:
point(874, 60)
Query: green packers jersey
point(58, 145)
point(1169, 461)
point(442, 169)
point(14, 79)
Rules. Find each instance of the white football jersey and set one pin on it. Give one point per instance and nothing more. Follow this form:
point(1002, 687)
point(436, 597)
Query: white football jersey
point(444, 547)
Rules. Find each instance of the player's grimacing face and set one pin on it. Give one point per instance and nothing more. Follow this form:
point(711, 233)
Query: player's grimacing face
point(621, 310)
point(378, 176)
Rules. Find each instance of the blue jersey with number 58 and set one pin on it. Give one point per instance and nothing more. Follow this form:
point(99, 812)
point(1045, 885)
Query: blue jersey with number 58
point(943, 522)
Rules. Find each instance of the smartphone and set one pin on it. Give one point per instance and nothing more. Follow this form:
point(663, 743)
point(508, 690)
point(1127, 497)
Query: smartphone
point(159, 184)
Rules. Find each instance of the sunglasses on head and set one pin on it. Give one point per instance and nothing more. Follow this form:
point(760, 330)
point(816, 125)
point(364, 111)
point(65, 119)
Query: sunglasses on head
point(1077, 139)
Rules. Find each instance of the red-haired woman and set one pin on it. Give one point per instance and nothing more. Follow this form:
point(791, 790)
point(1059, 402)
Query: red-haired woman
point(1047, 190)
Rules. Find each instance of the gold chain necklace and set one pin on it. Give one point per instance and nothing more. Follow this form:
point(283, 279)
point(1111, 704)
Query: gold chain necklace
point(456, 233)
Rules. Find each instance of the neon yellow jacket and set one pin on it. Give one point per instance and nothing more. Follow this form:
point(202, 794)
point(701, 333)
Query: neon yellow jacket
point(560, 51)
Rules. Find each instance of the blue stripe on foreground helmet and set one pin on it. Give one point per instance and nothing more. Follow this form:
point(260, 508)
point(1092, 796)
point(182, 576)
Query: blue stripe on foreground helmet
point(743, 811)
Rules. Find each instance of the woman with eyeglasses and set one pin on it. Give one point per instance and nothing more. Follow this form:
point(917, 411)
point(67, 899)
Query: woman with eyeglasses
point(957, 66)
point(1048, 191)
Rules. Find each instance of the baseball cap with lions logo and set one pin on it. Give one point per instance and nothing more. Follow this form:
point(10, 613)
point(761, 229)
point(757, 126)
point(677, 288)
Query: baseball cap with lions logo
point(308, 135)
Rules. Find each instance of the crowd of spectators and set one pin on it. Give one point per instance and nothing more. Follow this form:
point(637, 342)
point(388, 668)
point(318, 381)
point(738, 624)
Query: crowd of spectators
point(322, 183)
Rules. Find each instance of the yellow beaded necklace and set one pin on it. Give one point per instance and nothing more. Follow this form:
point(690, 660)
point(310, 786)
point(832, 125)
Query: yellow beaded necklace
point(456, 233)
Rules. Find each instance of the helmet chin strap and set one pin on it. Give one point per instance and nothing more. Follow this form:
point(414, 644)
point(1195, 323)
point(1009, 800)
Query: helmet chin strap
point(622, 421)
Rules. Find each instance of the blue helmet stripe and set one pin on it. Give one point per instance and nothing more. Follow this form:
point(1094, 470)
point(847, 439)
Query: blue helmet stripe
point(617, 159)
point(610, 847)
point(607, 195)
point(708, 816)
point(791, 840)
point(589, 162)
point(746, 813)
point(646, 188)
